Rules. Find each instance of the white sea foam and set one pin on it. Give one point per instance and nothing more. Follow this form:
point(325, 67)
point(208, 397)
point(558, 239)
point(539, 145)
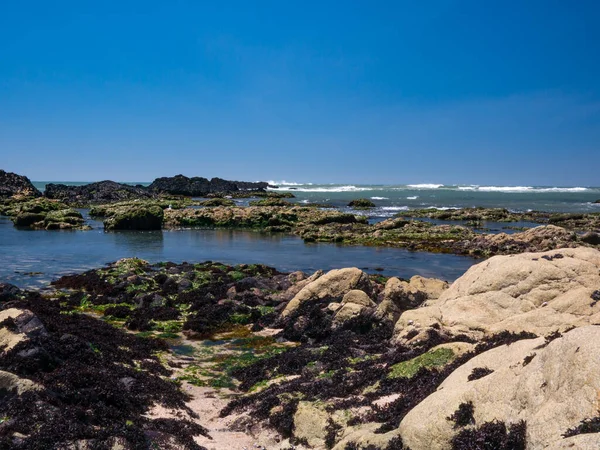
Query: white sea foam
point(412, 198)
point(287, 183)
point(395, 208)
point(379, 198)
point(425, 186)
point(348, 188)
point(526, 189)
point(441, 208)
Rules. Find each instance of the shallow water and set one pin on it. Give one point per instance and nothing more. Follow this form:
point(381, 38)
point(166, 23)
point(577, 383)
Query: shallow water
point(32, 258)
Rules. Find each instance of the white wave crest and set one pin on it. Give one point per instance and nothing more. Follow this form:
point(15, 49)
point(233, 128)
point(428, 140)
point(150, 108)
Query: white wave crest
point(412, 198)
point(441, 208)
point(395, 208)
point(525, 189)
point(379, 198)
point(348, 188)
point(425, 186)
point(287, 183)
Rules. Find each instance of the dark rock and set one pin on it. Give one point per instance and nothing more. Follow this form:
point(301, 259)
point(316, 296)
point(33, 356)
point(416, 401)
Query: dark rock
point(8, 292)
point(201, 187)
point(12, 185)
point(27, 219)
point(101, 192)
point(362, 203)
point(591, 238)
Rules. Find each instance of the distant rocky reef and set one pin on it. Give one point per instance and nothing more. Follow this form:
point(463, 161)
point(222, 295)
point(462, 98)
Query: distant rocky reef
point(96, 193)
point(13, 185)
point(201, 187)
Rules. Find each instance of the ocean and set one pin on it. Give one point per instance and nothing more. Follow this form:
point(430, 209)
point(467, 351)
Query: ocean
point(33, 258)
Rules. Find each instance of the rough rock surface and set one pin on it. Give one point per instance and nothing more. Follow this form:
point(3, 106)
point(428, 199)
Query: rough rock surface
point(398, 295)
point(136, 218)
point(543, 238)
point(310, 423)
point(534, 292)
point(353, 304)
point(335, 284)
point(19, 326)
point(552, 388)
point(13, 185)
point(95, 193)
point(200, 187)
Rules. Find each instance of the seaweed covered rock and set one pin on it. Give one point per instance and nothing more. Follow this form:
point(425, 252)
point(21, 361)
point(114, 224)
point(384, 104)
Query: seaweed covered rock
point(16, 186)
point(399, 296)
point(42, 213)
point(270, 201)
point(135, 218)
point(73, 381)
point(217, 202)
point(362, 203)
point(536, 239)
point(334, 284)
point(534, 292)
point(550, 386)
point(95, 193)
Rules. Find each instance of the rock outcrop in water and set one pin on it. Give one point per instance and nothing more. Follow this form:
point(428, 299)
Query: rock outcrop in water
point(96, 193)
point(201, 187)
point(16, 186)
point(43, 214)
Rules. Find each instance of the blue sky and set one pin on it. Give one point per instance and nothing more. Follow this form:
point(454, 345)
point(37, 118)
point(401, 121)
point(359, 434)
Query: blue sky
point(485, 92)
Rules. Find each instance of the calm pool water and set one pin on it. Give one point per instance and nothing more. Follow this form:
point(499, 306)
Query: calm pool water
point(32, 258)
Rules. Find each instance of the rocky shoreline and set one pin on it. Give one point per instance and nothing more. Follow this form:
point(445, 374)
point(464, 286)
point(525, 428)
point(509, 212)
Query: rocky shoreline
point(163, 206)
point(207, 355)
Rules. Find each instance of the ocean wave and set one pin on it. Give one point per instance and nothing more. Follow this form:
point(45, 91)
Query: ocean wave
point(348, 188)
point(526, 189)
point(395, 208)
point(287, 183)
point(379, 198)
point(442, 208)
point(412, 198)
point(425, 186)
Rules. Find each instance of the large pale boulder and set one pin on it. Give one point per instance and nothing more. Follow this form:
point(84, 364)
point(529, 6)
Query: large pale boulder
point(534, 292)
point(353, 304)
point(551, 387)
point(334, 284)
point(398, 295)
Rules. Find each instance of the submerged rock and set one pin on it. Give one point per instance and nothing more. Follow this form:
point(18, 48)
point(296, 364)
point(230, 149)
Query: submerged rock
point(16, 186)
point(533, 292)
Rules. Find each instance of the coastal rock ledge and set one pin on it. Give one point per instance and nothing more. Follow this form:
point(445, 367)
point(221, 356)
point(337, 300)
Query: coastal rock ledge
point(15, 186)
point(200, 187)
point(537, 293)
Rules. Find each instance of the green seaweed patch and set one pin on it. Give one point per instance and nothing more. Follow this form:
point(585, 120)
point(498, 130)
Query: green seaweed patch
point(167, 326)
point(433, 358)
